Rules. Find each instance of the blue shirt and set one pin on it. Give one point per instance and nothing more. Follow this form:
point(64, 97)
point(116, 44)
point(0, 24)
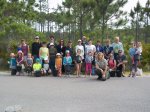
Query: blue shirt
point(132, 51)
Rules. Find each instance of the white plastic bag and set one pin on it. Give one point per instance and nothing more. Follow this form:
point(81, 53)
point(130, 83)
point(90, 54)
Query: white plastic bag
point(139, 72)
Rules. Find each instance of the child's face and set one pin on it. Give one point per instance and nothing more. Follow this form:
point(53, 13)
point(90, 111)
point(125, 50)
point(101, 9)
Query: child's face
point(12, 55)
point(46, 61)
point(19, 54)
point(58, 56)
point(90, 53)
point(29, 55)
point(67, 54)
point(79, 51)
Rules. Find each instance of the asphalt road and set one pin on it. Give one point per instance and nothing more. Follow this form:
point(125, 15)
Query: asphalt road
point(51, 94)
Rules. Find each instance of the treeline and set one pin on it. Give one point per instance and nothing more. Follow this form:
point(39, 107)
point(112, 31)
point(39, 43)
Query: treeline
point(97, 19)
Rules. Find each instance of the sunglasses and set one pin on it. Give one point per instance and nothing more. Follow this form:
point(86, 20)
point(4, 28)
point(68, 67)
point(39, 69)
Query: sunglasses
point(36, 38)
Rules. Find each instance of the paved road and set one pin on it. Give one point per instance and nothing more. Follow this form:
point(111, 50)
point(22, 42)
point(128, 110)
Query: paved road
point(50, 94)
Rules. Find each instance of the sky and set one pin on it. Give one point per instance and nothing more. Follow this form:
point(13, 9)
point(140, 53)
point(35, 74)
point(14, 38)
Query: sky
point(130, 5)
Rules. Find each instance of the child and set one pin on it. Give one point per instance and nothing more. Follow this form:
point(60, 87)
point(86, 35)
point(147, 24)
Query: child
point(29, 63)
point(94, 63)
point(67, 61)
point(13, 64)
point(78, 61)
point(45, 68)
point(37, 68)
point(112, 65)
point(88, 61)
point(20, 62)
point(58, 64)
point(136, 59)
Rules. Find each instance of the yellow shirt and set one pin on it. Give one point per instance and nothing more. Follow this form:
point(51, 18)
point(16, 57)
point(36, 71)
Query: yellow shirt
point(37, 66)
point(44, 52)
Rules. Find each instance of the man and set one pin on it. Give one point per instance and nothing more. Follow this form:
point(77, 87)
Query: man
point(52, 40)
point(121, 61)
point(108, 49)
point(35, 48)
point(99, 47)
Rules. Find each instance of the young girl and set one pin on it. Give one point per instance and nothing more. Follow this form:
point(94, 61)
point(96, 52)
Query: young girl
point(136, 59)
point(88, 61)
point(13, 64)
point(67, 61)
point(20, 60)
point(58, 64)
point(78, 61)
point(29, 63)
point(112, 65)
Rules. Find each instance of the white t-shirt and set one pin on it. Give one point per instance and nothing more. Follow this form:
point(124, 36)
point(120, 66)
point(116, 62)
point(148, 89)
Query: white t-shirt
point(90, 48)
point(82, 50)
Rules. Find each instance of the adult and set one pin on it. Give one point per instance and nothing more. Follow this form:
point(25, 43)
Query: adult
point(84, 42)
point(61, 48)
point(121, 61)
point(117, 45)
point(43, 52)
point(99, 47)
point(101, 67)
point(90, 47)
point(51, 40)
point(25, 49)
point(35, 48)
point(108, 49)
point(52, 56)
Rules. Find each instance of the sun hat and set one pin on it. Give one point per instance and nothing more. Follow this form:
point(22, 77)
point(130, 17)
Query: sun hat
point(58, 54)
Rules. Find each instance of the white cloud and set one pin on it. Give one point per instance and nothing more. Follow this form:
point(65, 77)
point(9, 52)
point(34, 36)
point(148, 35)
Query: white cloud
point(130, 5)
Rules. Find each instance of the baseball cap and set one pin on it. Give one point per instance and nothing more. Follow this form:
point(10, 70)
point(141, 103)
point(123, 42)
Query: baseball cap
point(51, 44)
point(79, 40)
point(58, 54)
point(36, 37)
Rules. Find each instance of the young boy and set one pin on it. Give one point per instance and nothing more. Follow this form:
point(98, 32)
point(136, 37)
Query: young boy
point(37, 68)
point(13, 64)
point(67, 61)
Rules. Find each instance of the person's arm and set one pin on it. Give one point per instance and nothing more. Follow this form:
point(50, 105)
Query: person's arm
point(114, 65)
point(61, 63)
point(40, 52)
point(82, 51)
point(48, 53)
point(32, 49)
point(28, 48)
point(64, 61)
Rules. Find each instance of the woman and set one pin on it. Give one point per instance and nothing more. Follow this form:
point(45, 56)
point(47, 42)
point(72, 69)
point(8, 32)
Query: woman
point(108, 49)
point(61, 47)
point(44, 52)
point(101, 67)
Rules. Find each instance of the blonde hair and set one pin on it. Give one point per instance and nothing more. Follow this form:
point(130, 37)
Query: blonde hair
point(100, 56)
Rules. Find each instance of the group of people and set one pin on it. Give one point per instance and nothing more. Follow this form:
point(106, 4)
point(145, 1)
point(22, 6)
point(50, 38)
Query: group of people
point(104, 60)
